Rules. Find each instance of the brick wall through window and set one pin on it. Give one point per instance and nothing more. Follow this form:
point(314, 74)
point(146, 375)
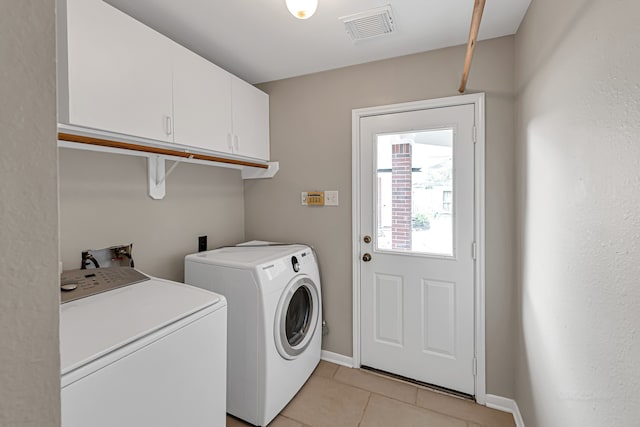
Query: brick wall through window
point(401, 196)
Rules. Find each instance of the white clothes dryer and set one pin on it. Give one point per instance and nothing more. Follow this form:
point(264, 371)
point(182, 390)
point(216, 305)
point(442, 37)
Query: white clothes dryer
point(274, 321)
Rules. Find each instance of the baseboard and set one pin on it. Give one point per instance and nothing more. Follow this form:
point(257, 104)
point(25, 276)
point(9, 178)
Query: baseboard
point(337, 358)
point(506, 405)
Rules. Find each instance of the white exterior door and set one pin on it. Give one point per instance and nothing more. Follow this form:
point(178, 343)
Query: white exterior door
point(417, 245)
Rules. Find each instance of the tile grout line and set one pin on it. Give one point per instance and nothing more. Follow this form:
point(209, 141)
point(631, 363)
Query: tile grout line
point(466, 420)
point(444, 414)
point(379, 394)
point(417, 388)
point(383, 395)
point(415, 405)
point(335, 372)
point(290, 419)
point(364, 409)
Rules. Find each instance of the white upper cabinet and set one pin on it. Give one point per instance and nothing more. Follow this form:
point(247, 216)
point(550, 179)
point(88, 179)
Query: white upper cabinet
point(215, 110)
point(250, 107)
point(201, 102)
point(117, 75)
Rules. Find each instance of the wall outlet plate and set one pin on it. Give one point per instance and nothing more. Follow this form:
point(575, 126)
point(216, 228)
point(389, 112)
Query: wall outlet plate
point(202, 243)
point(331, 198)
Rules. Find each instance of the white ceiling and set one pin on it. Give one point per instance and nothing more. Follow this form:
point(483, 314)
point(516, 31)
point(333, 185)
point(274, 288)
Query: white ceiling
point(259, 40)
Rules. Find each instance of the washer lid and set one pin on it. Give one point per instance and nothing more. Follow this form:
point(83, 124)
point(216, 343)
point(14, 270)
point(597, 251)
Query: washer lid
point(94, 326)
point(243, 256)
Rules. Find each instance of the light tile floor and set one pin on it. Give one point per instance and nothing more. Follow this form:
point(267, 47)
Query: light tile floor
point(336, 396)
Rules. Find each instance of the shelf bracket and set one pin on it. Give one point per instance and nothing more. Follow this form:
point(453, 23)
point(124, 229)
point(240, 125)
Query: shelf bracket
point(158, 175)
point(255, 173)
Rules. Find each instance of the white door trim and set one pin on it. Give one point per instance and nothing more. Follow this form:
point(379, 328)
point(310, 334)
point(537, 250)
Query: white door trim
point(477, 99)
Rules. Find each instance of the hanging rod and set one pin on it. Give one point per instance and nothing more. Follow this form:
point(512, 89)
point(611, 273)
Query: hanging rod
point(154, 150)
point(478, 8)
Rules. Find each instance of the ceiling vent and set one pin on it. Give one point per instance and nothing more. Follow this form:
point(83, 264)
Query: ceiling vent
point(371, 23)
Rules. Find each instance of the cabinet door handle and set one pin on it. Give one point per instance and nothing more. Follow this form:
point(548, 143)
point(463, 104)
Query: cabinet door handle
point(169, 127)
point(229, 143)
point(236, 143)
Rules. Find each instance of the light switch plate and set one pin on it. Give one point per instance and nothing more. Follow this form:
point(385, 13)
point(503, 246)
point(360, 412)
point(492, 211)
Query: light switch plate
point(303, 198)
point(331, 198)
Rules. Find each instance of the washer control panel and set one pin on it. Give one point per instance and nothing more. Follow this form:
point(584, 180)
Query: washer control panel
point(295, 264)
point(76, 284)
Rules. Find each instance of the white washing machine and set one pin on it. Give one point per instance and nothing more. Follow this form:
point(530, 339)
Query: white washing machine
point(140, 351)
point(274, 322)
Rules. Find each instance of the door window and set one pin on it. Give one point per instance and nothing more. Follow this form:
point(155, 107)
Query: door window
point(415, 204)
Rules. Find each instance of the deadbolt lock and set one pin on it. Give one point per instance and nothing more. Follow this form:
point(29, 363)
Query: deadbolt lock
point(367, 239)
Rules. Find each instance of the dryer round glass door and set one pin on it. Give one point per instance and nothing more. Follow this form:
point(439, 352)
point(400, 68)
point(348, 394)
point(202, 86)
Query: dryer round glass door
point(296, 317)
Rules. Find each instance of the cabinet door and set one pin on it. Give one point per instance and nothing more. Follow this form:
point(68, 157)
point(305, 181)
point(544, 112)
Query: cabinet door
point(250, 109)
point(119, 72)
point(201, 102)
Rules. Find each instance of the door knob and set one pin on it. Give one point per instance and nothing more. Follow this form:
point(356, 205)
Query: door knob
point(367, 239)
point(366, 257)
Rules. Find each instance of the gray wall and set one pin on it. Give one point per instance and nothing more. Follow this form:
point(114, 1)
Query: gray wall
point(104, 202)
point(311, 138)
point(578, 80)
point(29, 296)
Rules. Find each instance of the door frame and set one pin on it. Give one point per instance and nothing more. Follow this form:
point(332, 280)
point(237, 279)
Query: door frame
point(478, 101)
